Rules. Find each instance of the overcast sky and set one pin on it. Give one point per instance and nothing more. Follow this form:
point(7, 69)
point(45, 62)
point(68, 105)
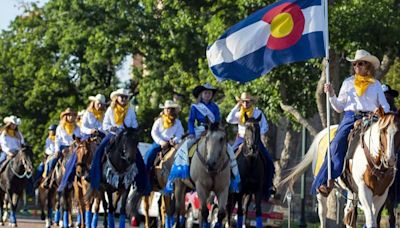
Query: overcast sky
point(9, 9)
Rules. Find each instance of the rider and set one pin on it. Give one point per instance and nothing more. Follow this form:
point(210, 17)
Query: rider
point(359, 94)
point(167, 131)
point(65, 133)
point(390, 95)
point(118, 115)
point(11, 139)
point(246, 106)
point(48, 150)
point(202, 111)
point(92, 119)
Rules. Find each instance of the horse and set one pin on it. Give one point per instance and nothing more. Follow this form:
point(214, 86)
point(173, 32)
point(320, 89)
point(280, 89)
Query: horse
point(372, 169)
point(84, 153)
point(118, 172)
point(251, 164)
point(13, 180)
point(160, 172)
point(209, 171)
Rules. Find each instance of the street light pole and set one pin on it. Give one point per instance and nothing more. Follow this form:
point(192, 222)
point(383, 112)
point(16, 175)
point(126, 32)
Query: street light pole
point(303, 223)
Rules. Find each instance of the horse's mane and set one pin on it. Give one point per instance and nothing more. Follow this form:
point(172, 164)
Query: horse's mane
point(385, 120)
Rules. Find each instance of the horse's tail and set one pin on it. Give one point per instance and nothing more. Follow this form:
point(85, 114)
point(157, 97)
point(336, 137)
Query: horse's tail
point(300, 168)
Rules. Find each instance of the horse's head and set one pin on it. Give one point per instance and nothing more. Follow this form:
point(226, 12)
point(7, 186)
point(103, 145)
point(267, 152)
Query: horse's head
point(214, 146)
point(128, 144)
point(23, 161)
point(386, 132)
point(84, 154)
point(251, 136)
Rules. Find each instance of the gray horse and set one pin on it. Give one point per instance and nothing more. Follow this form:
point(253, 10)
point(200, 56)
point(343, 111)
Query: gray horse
point(209, 171)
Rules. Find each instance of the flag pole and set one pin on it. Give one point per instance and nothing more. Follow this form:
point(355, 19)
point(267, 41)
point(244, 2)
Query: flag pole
point(328, 110)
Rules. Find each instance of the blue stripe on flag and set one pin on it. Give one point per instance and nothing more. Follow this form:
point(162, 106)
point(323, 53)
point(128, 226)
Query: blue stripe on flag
point(256, 16)
point(260, 62)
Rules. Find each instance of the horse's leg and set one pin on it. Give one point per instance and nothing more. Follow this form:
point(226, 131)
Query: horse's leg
point(366, 199)
point(96, 202)
point(87, 206)
point(57, 207)
point(322, 209)
point(122, 212)
point(350, 211)
point(14, 202)
point(378, 202)
point(1, 208)
point(106, 210)
point(222, 201)
point(146, 206)
point(111, 223)
point(259, 197)
point(239, 199)
point(391, 208)
point(203, 195)
point(42, 202)
point(180, 191)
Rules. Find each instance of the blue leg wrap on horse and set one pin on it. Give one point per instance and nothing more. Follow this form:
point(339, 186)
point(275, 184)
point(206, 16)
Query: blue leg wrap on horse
point(88, 219)
point(205, 225)
point(65, 219)
point(95, 219)
point(50, 213)
point(392, 226)
point(57, 216)
point(182, 220)
point(218, 225)
point(169, 222)
point(239, 223)
point(234, 185)
point(122, 221)
point(111, 223)
point(259, 221)
point(13, 219)
point(79, 219)
point(95, 170)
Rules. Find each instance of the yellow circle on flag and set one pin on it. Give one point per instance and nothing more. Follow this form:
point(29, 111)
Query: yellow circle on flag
point(281, 25)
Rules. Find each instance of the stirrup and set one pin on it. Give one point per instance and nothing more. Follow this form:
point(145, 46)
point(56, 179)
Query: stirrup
point(324, 190)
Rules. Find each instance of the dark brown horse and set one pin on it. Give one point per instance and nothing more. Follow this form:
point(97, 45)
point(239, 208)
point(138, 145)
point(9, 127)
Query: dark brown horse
point(13, 180)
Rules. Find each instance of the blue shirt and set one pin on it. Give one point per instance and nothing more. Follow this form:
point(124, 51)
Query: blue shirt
point(196, 115)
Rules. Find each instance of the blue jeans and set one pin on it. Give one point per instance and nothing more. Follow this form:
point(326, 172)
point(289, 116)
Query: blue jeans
point(338, 148)
point(239, 140)
point(151, 155)
point(52, 163)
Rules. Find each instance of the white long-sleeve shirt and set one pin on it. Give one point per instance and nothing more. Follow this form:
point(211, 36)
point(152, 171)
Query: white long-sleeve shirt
point(11, 144)
point(348, 100)
point(89, 123)
point(63, 139)
point(130, 120)
point(50, 147)
point(158, 133)
point(234, 117)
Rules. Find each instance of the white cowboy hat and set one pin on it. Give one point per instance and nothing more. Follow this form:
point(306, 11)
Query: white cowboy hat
point(99, 97)
point(169, 104)
point(118, 92)
point(363, 55)
point(245, 96)
point(12, 119)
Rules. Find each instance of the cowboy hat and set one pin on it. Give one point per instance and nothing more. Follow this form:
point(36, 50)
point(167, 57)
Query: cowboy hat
point(52, 127)
point(198, 89)
point(363, 55)
point(99, 97)
point(245, 96)
point(387, 89)
point(119, 92)
point(169, 104)
point(66, 112)
point(12, 119)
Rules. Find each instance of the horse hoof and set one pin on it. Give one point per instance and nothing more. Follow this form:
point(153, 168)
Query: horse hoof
point(1, 223)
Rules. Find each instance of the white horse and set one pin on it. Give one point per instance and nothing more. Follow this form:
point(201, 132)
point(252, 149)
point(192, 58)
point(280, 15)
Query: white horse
point(372, 175)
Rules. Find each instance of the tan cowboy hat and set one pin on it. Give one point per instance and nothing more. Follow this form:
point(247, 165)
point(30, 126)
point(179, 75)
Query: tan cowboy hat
point(170, 104)
point(363, 55)
point(118, 92)
point(66, 112)
point(245, 96)
point(198, 89)
point(99, 97)
point(12, 119)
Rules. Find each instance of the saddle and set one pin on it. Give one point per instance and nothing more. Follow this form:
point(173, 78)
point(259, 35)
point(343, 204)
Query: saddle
point(163, 156)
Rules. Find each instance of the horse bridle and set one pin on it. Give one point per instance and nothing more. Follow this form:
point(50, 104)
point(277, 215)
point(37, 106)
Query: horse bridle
point(204, 162)
point(27, 174)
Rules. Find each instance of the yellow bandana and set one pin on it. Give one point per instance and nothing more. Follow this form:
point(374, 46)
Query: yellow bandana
point(99, 115)
point(69, 127)
point(11, 132)
point(168, 121)
point(120, 113)
point(52, 137)
point(249, 112)
point(361, 83)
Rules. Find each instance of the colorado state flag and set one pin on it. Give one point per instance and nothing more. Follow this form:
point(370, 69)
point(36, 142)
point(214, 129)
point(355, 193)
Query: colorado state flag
point(284, 32)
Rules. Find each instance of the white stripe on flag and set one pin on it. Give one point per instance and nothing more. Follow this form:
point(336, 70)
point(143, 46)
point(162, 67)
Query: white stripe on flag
point(255, 36)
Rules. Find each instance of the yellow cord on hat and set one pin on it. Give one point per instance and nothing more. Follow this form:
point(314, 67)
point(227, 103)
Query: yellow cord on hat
point(168, 121)
point(249, 112)
point(361, 83)
point(120, 113)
